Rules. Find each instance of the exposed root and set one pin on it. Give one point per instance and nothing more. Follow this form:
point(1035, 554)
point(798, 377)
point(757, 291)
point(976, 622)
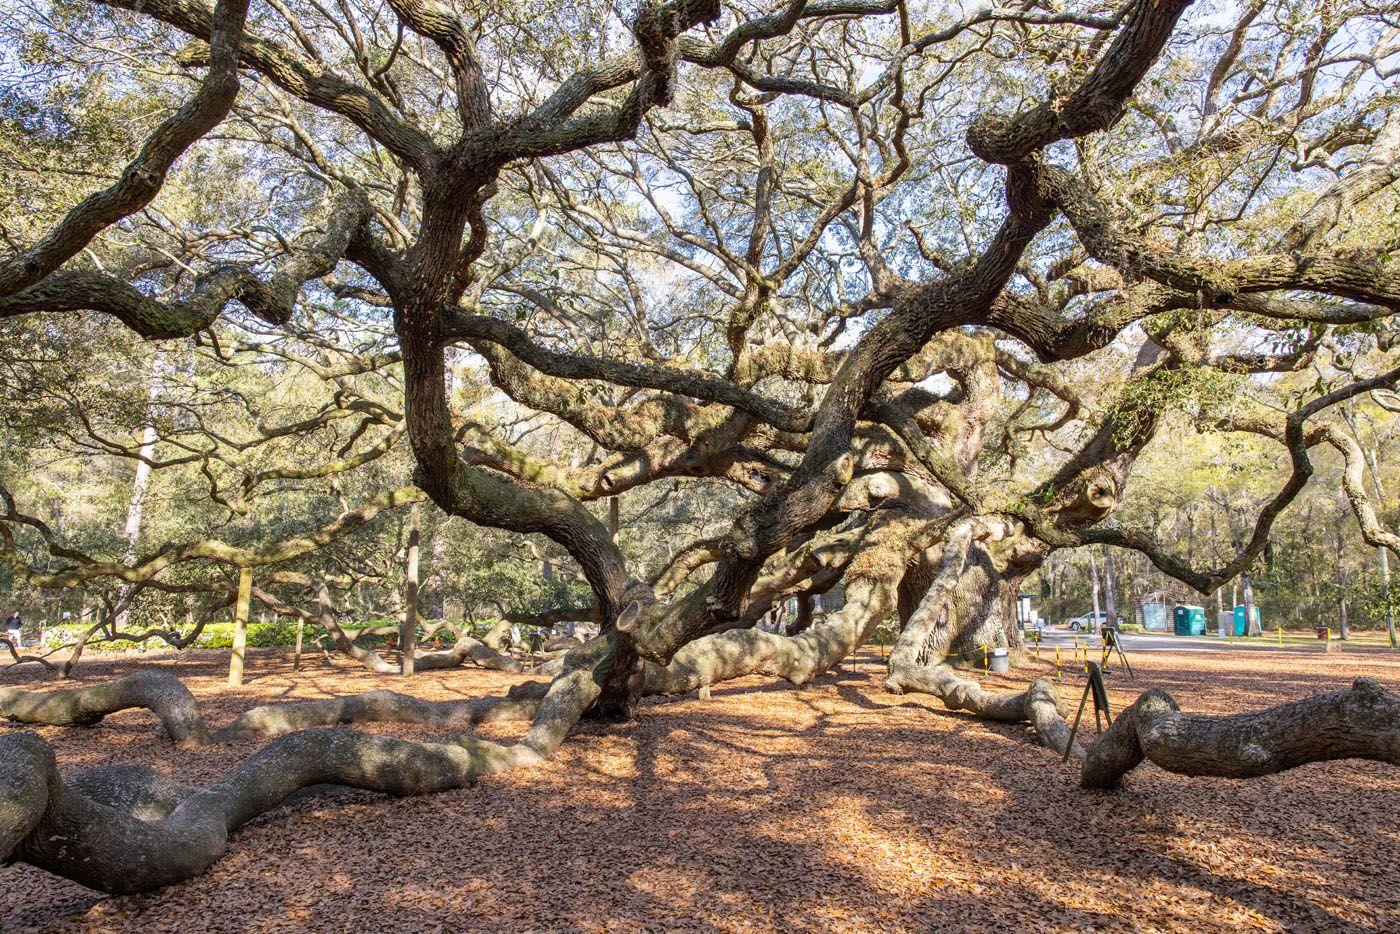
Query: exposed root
point(164, 695)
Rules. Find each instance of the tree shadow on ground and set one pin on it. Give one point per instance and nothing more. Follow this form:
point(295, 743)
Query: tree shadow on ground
point(836, 806)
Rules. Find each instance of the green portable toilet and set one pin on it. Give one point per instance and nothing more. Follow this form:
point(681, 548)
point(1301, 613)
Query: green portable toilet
point(1240, 626)
point(1189, 620)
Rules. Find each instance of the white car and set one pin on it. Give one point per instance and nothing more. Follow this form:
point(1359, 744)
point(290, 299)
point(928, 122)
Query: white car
point(1085, 623)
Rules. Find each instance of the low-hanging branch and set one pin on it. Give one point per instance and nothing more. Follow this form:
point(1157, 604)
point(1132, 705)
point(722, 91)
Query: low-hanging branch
point(85, 568)
point(166, 696)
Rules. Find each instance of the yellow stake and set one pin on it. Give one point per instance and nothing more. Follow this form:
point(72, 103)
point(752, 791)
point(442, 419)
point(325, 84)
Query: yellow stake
point(1280, 633)
point(1057, 663)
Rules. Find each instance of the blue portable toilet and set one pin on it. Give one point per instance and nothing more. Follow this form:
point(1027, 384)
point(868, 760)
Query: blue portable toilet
point(1240, 627)
point(1189, 620)
point(1154, 617)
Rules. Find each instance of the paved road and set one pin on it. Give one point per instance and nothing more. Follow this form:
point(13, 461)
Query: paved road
point(1154, 642)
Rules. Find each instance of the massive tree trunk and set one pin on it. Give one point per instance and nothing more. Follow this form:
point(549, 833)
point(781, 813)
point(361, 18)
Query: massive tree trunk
point(966, 596)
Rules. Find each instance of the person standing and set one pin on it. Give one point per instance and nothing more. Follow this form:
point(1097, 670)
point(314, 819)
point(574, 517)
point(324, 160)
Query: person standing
point(13, 628)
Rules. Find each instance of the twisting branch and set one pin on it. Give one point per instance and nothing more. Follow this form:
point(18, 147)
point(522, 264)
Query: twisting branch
point(142, 179)
point(310, 81)
point(1296, 440)
point(167, 697)
point(273, 300)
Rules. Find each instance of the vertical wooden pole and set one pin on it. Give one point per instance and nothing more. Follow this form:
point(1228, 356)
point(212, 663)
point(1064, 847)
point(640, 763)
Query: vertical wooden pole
point(296, 657)
point(240, 626)
point(408, 631)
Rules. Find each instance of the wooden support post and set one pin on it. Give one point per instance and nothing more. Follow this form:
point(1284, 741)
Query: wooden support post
point(296, 657)
point(240, 626)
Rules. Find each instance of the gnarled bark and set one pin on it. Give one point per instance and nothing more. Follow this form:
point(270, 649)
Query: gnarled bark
point(52, 825)
point(1039, 704)
point(871, 595)
point(121, 830)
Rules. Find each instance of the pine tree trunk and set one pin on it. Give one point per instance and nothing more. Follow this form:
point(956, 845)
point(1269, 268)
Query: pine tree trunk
point(1342, 587)
point(1251, 623)
point(1094, 581)
point(140, 485)
point(1110, 587)
point(408, 631)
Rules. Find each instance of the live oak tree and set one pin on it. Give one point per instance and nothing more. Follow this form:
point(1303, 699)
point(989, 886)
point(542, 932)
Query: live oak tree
point(901, 292)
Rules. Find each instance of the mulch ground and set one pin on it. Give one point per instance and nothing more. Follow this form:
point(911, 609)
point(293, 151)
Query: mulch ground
point(835, 807)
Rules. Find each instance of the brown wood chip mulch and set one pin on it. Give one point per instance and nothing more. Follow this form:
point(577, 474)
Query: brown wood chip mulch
point(839, 807)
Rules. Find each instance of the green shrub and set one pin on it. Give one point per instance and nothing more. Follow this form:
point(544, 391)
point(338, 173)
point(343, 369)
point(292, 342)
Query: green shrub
point(280, 632)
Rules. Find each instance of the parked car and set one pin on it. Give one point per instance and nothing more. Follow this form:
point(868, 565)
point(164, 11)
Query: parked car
point(1086, 622)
